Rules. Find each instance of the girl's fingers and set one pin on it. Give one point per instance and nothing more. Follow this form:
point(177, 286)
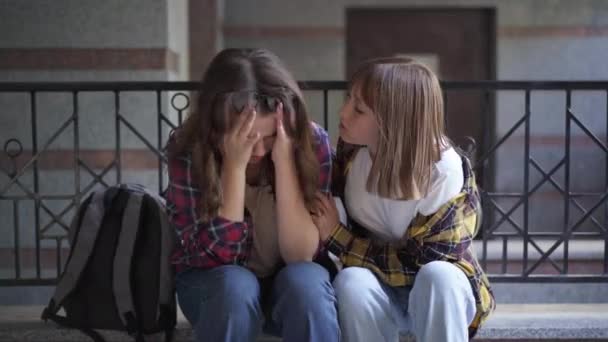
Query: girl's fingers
point(323, 198)
point(280, 126)
point(315, 207)
point(247, 125)
point(280, 109)
point(316, 220)
point(330, 200)
point(319, 208)
point(252, 139)
point(320, 197)
point(241, 118)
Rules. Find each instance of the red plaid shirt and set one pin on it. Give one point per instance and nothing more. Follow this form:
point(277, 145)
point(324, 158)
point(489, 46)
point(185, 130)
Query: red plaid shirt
point(219, 241)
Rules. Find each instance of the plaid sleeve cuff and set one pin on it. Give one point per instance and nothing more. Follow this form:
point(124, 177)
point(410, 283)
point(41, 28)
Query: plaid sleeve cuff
point(339, 240)
point(229, 232)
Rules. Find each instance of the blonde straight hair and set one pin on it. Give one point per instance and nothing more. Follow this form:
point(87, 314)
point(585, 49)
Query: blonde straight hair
point(406, 98)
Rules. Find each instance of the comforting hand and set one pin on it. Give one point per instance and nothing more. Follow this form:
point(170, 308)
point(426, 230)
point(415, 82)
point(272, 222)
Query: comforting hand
point(325, 215)
point(282, 149)
point(239, 141)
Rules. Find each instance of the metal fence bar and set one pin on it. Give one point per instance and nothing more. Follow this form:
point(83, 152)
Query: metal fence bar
point(491, 235)
point(36, 184)
point(77, 193)
point(159, 132)
point(567, 177)
point(606, 190)
point(526, 180)
point(117, 154)
point(6, 87)
point(16, 239)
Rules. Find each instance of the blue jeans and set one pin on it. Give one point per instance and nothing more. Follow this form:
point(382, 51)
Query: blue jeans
point(228, 303)
point(438, 307)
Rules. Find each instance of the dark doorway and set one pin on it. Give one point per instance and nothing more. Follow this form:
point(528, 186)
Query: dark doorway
point(458, 43)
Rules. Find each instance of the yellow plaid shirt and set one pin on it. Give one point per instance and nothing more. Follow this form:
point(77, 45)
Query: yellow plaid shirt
point(446, 235)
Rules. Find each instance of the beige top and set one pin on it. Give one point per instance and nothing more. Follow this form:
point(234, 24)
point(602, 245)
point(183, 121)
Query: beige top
point(265, 255)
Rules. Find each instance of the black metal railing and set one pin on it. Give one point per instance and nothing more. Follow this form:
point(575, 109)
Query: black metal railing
point(576, 252)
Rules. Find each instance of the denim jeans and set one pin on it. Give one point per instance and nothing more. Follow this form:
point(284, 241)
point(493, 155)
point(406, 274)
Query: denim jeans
point(438, 308)
point(229, 303)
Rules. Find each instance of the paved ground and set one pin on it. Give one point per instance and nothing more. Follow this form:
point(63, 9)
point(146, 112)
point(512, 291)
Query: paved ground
point(547, 322)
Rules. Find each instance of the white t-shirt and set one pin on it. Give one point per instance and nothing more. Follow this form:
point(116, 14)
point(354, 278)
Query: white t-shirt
point(387, 218)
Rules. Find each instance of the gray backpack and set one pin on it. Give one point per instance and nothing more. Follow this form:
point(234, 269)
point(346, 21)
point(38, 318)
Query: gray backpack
point(118, 274)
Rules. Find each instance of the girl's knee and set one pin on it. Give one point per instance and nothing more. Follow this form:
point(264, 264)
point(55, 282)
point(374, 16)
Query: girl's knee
point(438, 272)
point(441, 277)
point(355, 287)
point(302, 272)
point(352, 278)
point(305, 281)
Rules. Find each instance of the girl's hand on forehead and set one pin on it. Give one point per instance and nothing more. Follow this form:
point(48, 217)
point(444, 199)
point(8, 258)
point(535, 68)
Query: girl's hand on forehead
point(239, 141)
point(282, 149)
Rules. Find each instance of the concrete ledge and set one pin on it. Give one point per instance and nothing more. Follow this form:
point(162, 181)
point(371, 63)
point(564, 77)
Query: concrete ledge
point(547, 321)
point(506, 293)
point(575, 322)
point(578, 250)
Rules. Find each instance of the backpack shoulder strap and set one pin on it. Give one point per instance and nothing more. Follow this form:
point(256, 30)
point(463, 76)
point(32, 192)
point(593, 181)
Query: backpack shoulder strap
point(166, 286)
point(165, 313)
point(82, 249)
point(122, 261)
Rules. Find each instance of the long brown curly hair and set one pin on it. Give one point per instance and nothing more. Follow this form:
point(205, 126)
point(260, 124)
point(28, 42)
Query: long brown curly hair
point(200, 136)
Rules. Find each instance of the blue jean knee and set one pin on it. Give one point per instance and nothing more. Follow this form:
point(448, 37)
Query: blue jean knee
point(304, 303)
point(221, 303)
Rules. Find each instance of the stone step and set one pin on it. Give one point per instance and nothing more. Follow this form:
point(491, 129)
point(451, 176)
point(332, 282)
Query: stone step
point(505, 293)
point(510, 322)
